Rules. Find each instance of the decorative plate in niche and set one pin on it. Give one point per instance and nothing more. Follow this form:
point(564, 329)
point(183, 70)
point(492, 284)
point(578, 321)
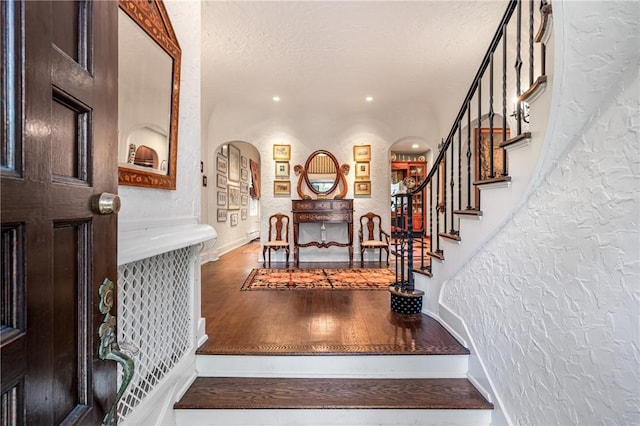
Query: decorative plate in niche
point(421, 158)
point(393, 156)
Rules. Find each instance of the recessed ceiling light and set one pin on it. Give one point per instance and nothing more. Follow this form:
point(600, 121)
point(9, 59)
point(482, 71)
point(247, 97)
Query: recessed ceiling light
point(415, 146)
point(369, 98)
point(276, 99)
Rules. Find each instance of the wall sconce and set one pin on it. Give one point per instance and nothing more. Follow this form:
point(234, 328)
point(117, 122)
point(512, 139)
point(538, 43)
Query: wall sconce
point(520, 110)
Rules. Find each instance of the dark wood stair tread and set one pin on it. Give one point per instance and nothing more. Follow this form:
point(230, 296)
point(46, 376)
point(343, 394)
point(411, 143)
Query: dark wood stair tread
point(331, 393)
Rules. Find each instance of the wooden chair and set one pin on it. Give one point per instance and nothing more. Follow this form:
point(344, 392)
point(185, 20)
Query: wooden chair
point(371, 235)
point(278, 237)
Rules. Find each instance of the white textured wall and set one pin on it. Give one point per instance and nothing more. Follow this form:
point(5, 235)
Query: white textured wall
point(552, 304)
point(156, 204)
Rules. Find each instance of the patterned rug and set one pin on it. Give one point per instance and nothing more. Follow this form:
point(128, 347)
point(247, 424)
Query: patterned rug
point(319, 279)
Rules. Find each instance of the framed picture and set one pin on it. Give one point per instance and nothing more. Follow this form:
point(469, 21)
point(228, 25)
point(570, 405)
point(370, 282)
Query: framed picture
point(223, 150)
point(362, 170)
point(243, 214)
point(233, 197)
point(362, 187)
point(244, 188)
point(244, 200)
point(222, 215)
point(234, 163)
point(282, 152)
point(281, 187)
point(244, 174)
point(221, 165)
point(222, 198)
point(221, 181)
point(234, 219)
point(244, 162)
point(362, 152)
point(282, 169)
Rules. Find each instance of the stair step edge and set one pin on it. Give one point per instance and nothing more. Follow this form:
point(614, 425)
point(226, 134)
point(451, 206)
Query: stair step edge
point(331, 393)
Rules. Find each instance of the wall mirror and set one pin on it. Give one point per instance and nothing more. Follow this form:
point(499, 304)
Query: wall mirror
point(322, 176)
point(148, 95)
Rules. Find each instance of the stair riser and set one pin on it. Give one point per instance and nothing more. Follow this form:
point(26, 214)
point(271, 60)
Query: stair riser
point(333, 417)
point(343, 366)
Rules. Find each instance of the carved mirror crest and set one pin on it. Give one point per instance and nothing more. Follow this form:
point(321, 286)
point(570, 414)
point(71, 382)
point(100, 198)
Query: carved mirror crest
point(322, 175)
point(148, 95)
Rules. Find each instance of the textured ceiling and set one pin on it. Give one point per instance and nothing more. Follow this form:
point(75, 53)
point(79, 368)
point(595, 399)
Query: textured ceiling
point(325, 54)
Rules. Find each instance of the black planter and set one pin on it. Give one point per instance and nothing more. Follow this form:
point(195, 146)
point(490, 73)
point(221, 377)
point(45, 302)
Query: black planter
point(406, 302)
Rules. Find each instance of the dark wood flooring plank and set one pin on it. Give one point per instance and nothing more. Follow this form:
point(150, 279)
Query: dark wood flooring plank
point(287, 393)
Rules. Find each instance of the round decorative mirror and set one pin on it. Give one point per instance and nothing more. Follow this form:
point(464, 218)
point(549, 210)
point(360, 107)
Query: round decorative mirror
point(322, 175)
point(321, 172)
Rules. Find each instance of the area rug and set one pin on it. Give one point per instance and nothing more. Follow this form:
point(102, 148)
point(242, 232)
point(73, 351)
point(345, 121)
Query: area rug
point(319, 279)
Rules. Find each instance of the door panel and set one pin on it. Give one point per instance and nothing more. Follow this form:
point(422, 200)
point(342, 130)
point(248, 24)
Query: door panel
point(58, 151)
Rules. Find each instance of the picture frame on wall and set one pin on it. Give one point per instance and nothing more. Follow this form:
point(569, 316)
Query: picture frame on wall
point(221, 164)
point(282, 152)
point(244, 188)
point(233, 197)
point(243, 214)
point(234, 163)
point(282, 169)
point(244, 199)
point(362, 152)
point(244, 162)
point(281, 187)
point(234, 219)
point(222, 198)
point(222, 215)
point(221, 181)
point(362, 187)
point(244, 174)
point(363, 170)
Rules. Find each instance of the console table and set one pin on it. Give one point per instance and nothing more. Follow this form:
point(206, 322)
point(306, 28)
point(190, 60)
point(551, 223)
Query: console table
point(322, 211)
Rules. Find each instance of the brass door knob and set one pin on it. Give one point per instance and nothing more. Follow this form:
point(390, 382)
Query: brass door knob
point(105, 203)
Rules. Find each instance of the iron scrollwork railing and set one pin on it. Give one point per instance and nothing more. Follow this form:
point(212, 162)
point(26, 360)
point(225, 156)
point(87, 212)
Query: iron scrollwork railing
point(481, 130)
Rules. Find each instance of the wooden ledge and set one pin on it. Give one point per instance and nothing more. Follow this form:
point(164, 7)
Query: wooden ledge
point(532, 93)
point(436, 254)
point(425, 272)
point(450, 236)
point(468, 212)
point(518, 140)
point(499, 179)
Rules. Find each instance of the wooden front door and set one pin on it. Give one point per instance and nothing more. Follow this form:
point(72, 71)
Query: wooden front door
point(59, 131)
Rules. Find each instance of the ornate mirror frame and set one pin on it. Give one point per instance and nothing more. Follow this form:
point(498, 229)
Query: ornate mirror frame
point(153, 18)
point(303, 177)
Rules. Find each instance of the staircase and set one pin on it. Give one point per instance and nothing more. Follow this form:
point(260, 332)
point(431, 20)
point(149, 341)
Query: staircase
point(428, 386)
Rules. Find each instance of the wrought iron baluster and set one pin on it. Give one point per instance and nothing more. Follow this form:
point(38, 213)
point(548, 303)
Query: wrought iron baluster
point(469, 186)
point(492, 173)
point(478, 140)
point(459, 165)
point(504, 98)
point(452, 186)
point(531, 36)
point(410, 283)
point(432, 207)
point(518, 67)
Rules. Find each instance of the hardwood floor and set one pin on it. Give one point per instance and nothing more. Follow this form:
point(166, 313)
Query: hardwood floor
point(307, 321)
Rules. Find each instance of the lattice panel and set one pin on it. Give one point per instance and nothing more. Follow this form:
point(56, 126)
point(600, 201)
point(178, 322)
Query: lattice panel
point(154, 315)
